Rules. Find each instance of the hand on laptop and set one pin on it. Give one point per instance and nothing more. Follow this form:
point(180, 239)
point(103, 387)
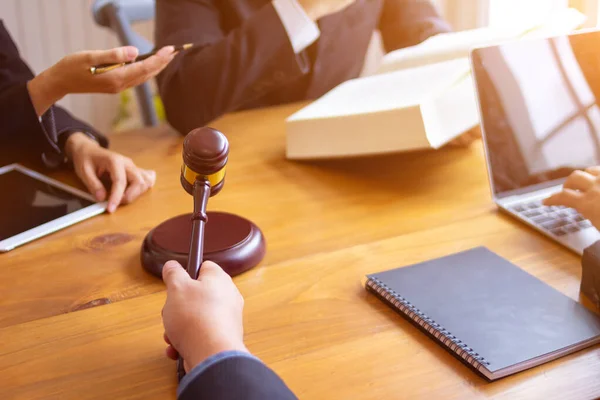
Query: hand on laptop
point(581, 191)
point(91, 161)
point(201, 317)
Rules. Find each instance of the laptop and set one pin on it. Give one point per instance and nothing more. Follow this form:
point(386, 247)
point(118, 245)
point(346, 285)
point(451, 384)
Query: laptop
point(540, 118)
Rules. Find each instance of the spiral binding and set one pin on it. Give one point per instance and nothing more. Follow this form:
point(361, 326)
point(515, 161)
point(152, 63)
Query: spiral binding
point(440, 333)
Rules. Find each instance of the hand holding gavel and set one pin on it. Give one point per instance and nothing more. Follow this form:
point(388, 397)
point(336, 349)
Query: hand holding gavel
point(205, 153)
point(201, 317)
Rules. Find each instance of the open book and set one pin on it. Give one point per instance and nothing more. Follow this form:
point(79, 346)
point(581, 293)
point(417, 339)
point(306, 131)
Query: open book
point(420, 97)
point(454, 45)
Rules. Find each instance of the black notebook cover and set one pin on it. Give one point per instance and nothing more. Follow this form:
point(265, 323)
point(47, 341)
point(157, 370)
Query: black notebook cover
point(493, 316)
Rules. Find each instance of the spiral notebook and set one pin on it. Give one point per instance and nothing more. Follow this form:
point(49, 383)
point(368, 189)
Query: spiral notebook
point(490, 314)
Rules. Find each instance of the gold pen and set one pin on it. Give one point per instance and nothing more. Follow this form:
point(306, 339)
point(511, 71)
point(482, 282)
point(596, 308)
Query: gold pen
point(102, 68)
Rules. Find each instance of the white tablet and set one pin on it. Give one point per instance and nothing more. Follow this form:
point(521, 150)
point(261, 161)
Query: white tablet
point(33, 205)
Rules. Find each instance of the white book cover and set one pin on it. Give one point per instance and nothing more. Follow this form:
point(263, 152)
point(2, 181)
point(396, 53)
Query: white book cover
point(411, 109)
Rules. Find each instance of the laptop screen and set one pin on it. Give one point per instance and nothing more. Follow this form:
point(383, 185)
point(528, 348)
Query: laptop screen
point(540, 109)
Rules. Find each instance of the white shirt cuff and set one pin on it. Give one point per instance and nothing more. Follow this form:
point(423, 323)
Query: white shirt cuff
point(301, 30)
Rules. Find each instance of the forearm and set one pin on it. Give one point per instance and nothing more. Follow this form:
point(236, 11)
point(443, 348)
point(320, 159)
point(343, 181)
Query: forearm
point(232, 71)
point(43, 92)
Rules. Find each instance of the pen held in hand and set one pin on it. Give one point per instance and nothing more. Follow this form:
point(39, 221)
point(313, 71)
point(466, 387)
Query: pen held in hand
point(102, 68)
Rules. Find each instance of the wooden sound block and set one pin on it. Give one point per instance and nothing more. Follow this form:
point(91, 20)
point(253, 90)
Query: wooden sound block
point(233, 242)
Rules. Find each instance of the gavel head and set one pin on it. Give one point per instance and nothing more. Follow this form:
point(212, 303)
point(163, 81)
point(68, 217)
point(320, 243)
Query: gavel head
point(205, 152)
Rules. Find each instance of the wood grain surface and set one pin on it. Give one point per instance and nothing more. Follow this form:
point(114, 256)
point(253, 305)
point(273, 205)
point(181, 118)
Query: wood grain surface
point(79, 319)
point(302, 208)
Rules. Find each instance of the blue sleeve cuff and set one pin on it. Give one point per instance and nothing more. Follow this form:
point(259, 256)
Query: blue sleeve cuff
point(209, 362)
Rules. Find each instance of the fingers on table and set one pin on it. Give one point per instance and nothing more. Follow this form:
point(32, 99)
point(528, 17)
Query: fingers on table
point(149, 177)
point(119, 183)
point(90, 179)
point(137, 184)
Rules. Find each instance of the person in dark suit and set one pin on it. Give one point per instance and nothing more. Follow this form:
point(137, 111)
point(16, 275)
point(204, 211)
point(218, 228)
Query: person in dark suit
point(256, 53)
point(203, 323)
point(36, 130)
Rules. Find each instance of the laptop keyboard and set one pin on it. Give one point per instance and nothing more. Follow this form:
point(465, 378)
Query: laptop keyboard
point(556, 219)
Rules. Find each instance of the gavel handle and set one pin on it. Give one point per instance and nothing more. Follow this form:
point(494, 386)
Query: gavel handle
point(201, 195)
point(199, 218)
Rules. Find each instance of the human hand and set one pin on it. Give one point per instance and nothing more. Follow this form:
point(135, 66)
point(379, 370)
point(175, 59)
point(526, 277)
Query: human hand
point(72, 74)
point(317, 9)
point(201, 317)
point(581, 191)
point(91, 161)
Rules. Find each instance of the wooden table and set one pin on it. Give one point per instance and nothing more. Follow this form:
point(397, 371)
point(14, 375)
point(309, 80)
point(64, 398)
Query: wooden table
point(327, 224)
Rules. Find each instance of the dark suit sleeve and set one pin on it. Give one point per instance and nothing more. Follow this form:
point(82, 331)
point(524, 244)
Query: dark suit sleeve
point(235, 378)
point(406, 23)
point(226, 69)
point(21, 129)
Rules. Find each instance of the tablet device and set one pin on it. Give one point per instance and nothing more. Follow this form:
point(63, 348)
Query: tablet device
point(33, 205)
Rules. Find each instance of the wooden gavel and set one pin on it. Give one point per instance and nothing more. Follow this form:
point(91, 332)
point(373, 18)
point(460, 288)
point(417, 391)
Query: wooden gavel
point(205, 153)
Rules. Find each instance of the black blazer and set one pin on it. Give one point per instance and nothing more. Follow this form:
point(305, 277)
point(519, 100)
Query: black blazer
point(22, 136)
point(237, 378)
point(246, 60)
